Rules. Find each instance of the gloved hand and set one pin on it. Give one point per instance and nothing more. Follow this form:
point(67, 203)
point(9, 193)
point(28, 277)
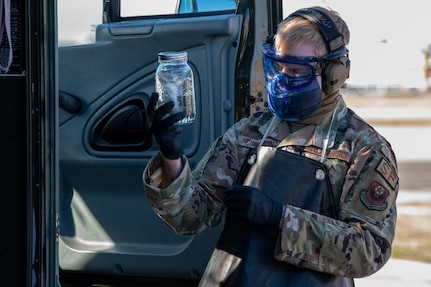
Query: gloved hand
point(253, 205)
point(162, 126)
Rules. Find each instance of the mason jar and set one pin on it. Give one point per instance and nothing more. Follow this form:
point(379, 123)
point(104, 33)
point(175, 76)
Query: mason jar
point(174, 82)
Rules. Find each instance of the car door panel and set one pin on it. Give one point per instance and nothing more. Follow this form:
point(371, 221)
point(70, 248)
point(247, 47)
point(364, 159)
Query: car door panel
point(107, 225)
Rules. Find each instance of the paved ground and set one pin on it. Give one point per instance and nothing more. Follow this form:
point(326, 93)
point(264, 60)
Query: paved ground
point(403, 119)
point(392, 110)
point(399, 273)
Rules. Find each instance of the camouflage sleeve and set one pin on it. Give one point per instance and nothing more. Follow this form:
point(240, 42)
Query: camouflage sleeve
point(358, 243)
point(194, 201)
point(184, 206)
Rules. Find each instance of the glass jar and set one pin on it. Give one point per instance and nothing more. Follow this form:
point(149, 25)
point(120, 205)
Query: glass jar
point(174, 82)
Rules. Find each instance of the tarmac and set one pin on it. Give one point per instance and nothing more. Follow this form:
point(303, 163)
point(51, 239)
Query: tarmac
point(399, 273)
point(397, 109)
point(411, 111)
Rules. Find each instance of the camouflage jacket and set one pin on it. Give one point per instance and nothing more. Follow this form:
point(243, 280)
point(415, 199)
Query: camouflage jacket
point(362, 170)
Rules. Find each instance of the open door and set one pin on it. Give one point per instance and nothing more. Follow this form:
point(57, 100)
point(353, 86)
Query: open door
point(107, 226)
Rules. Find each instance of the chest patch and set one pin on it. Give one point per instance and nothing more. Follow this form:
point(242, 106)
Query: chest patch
point(337, 154)
point(252, 143)
point(375, 196)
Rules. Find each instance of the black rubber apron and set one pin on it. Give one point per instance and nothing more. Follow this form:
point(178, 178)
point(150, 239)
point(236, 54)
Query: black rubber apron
point(244, 255)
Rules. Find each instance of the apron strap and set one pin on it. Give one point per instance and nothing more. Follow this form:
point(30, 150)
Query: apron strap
point(252, 153)
point(326, 139)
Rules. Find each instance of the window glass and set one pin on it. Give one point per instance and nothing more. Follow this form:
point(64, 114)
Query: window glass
point(388, 42)
point(77, 20)
point(79, 30)
point(188, 6)
point(130, 8)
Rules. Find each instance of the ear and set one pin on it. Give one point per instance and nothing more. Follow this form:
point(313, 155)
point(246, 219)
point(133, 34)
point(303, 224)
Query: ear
point(336, 73)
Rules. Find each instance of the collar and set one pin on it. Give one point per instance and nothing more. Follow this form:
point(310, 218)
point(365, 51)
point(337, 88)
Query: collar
point(309, 134)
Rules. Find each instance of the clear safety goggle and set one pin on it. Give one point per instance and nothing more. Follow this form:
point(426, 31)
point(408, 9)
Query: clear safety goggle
point(296, 70)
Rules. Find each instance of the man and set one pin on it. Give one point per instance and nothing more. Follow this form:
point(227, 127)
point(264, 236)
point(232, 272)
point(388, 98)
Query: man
point(310, 187)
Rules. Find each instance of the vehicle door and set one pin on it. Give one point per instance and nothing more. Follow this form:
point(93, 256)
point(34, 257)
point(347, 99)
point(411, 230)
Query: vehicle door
point(105, 80)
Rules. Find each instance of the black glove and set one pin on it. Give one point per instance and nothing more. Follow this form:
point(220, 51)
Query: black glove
point(253, 205)
point(162, 126)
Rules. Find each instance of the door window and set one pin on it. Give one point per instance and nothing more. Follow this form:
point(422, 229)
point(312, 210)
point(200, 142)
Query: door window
point(73, 30)
point(78, 30)
point(133, 8)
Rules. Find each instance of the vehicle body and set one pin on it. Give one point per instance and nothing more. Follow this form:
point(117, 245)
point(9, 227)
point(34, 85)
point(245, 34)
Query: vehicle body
point(107, 226)
point(74, 113)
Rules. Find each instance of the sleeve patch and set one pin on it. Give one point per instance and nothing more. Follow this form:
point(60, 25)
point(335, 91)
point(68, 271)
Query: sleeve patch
point(375, 197)
point(388, 173)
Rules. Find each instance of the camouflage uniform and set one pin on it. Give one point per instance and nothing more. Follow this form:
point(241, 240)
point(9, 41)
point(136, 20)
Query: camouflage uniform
point(362, 170)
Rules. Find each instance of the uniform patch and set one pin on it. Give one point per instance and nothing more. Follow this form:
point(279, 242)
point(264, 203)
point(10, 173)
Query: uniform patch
point(388, 173)
point(337, 154)
point(252, 143)
point(375, 196)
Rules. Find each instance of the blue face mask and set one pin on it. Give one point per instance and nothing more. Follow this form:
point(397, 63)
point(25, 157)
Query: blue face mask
point(294, 92)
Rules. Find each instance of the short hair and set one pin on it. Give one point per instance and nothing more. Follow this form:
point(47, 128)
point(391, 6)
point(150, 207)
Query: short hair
point(297, 31)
